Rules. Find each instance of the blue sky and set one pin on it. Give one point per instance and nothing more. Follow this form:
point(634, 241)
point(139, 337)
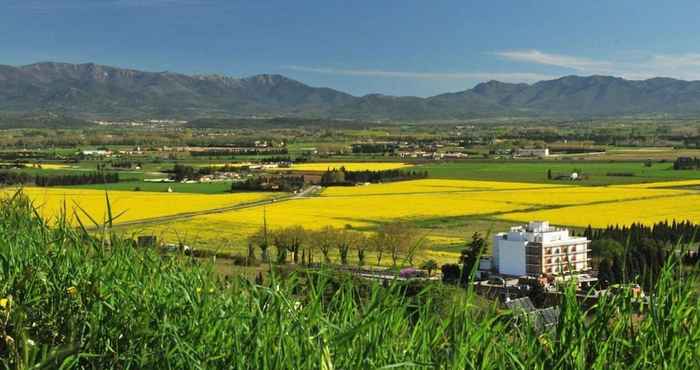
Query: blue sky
point(393, 47)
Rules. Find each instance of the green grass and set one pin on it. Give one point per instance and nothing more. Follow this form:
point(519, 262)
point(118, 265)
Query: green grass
point(202, 188)
point(536, 171)
point(75, 301)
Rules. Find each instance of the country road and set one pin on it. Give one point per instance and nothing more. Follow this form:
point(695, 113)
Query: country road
point(310, 191)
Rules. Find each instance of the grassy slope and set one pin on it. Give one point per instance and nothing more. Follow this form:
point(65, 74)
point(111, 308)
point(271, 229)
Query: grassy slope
point(75, 301)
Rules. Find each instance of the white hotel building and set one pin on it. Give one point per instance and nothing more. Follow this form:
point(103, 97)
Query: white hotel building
point(539, 249)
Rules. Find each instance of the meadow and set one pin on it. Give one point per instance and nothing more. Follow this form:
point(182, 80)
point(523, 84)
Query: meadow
point(598, 172)
point(162, 187)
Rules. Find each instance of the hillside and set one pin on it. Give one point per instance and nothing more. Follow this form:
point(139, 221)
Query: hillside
point(90, 90)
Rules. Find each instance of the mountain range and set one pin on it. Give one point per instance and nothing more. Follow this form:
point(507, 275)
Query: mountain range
point(91, 90)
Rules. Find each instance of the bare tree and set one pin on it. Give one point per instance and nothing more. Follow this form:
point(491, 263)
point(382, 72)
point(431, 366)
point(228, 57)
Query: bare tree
point(398, 240)
point(377, 244)
point(346, 240)
point(291, 239)
point(323, 240)
point(261, 239)
point(361, 246)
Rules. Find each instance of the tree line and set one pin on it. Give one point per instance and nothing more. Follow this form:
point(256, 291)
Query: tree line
point(23, 178)
point(397, 242)
point(76, 179)
point(269, 183)
point(238, 151)
point(344, 177)
point(686, 163)
point(373, 148)
point(638, 252)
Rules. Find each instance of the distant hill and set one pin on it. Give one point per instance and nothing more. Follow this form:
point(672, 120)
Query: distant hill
point(44, 120)
point(90, 90)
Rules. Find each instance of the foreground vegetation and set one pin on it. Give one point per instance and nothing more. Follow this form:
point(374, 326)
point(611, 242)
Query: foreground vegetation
point(70, 300)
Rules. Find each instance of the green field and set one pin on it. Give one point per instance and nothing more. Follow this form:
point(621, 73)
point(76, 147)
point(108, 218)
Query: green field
point(203, 188)
point(536, 171)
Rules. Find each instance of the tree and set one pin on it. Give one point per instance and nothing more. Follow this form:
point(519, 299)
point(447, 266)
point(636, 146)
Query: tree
point(251, 254)
point(538, 294)
point(361, 245)
point(450, 273)
point(323, 240)
point(261, 239)
point(605, 273)
point(607, 248)
point(397, 239)
point(345, 240)
point(290, 239)
point(376, 242)
point(469, 257)
point(429, 265)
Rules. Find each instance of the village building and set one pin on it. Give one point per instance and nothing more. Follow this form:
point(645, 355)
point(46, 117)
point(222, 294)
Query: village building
point(96, 153)
point(532, 152)
point(538, 249)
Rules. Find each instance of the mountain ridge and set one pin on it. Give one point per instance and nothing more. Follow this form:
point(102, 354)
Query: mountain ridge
point(94, 90)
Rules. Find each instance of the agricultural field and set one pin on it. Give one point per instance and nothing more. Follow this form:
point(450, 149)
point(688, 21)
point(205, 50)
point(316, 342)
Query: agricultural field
point(131, 206)
point(446, 211)
point(597, 172)
point(161, 187)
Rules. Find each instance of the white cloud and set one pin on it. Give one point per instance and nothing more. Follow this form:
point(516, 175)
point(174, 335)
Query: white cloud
point(479, 76)
point(536, 56)
point(682, 66)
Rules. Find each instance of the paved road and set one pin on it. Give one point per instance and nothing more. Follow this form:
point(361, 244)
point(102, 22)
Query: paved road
point(308, 192)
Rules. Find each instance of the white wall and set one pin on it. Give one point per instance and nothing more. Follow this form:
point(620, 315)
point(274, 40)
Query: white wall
point(511, 257)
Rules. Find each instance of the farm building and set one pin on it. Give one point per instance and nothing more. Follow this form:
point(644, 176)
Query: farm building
point(532, 152)
point(96, 153)
point(538, 249)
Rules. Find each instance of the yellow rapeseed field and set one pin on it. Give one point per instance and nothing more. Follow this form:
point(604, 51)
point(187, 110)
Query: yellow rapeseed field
point(522, 195)
point(366, 206)
point(136, 205)
point(665, 184)
point(647, 211)
point(45, 166)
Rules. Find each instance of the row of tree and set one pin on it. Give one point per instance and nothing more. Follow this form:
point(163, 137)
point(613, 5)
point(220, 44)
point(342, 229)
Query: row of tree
point(396, 241)
point(663, 232)
point(686, 163)
point(239, 151)
point(374, 148)
point(637, 252)
point(342, 176)
point(23, 178)
point(269, 183)
point(76, 179)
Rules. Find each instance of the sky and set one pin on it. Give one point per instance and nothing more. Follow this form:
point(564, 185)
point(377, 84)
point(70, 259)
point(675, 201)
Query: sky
point(406, 47)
